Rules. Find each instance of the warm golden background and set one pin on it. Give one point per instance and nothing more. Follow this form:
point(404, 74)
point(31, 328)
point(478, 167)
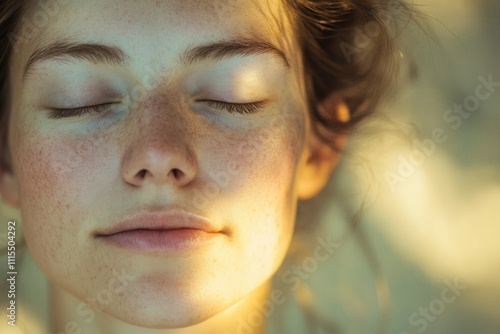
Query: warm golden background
point(441, 222)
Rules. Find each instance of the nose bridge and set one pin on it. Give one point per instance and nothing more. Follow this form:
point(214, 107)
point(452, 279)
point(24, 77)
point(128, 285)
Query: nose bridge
point(161, 123)
point(158, 143)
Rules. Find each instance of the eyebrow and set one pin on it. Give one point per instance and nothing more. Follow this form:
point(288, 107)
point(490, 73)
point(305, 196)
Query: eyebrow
point(62, 50)
point(101, 53)
point(233, 48)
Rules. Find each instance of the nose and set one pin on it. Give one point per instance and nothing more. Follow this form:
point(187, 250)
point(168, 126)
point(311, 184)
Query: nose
point(158, 151)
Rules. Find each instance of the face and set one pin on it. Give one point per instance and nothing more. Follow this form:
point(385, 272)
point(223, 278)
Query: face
point(200, 111)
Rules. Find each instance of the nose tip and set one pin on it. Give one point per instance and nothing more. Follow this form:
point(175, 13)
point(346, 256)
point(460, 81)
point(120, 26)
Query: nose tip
point(159, 161)
point(160, 169)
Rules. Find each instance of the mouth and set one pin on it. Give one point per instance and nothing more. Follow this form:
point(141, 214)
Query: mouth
point(161, 232)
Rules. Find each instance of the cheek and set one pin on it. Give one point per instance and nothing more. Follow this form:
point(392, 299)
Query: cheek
point(269, 152)
point(53, 172)
point(261, 165)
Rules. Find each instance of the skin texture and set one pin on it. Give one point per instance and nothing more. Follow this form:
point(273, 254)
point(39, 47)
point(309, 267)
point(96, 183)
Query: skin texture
point(73, 177)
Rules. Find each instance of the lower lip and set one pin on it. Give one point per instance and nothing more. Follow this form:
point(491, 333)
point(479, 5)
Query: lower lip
point(161, 240)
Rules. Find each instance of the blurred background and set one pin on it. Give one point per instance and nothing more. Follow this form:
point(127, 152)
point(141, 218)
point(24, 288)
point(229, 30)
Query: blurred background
point(425, 256)
point(427, 172)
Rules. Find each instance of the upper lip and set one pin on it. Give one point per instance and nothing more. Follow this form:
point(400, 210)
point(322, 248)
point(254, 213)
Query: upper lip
point(161, 221)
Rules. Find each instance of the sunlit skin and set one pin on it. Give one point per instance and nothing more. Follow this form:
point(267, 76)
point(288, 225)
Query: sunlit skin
point(75, 176)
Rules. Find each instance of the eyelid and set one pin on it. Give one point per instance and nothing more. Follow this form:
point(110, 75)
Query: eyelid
point(232, 107)
point(57, 113)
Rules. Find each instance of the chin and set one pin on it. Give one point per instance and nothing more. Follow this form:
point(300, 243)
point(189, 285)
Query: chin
point(161, 319)
point(166, 309)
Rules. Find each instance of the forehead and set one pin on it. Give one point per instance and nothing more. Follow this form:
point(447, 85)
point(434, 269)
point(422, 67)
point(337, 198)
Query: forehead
point(132, 22)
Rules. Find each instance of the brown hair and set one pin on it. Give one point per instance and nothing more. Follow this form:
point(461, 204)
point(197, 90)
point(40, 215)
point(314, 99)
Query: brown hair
point(348, 47)
point(10, 14)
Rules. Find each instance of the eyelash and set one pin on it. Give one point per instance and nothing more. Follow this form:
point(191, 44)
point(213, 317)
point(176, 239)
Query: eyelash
point(241, 108)
point(76, 112)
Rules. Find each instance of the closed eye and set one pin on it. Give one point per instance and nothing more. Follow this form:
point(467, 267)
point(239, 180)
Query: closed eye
point(241, 108)
point(80, 111)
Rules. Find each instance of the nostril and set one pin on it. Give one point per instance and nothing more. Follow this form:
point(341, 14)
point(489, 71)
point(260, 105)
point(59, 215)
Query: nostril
point(158, 165)
point(142, 173)
point(177, 173)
